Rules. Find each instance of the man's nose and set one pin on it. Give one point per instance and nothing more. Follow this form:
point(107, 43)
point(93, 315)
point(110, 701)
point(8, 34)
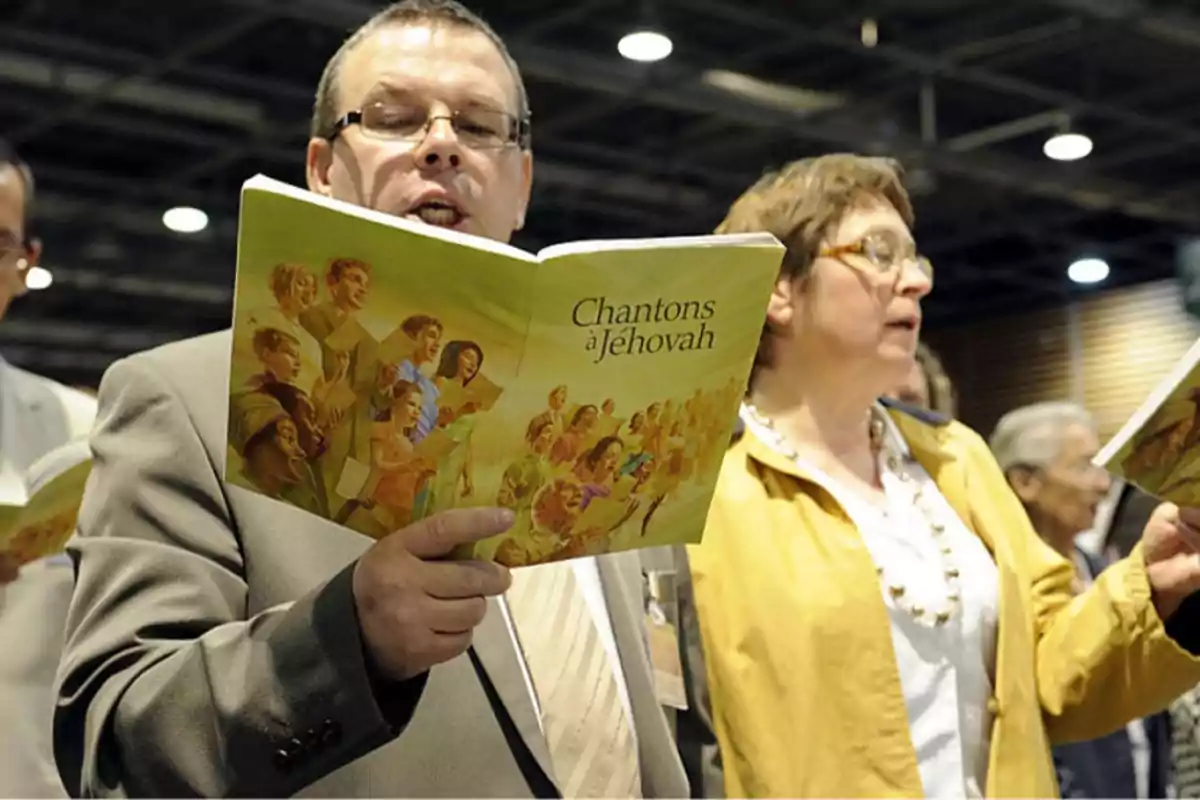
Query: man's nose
point(440, 147)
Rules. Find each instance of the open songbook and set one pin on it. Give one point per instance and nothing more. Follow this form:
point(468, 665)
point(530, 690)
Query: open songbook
point(384, 371)
point(1158, 449)
point(41, 525)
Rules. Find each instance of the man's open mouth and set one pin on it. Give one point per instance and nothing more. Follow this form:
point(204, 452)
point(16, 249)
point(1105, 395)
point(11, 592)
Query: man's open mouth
point(441, 213)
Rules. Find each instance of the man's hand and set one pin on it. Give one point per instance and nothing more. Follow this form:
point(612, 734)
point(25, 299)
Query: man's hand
point(10, 570)
point(416, 610)
point(1171, 545)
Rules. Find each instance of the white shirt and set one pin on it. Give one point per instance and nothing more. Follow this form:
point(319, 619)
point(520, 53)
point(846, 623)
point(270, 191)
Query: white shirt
point(946, 672)
point(587, 576)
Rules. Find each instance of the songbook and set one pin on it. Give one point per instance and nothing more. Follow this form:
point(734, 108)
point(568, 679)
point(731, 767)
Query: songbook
point(591, 387)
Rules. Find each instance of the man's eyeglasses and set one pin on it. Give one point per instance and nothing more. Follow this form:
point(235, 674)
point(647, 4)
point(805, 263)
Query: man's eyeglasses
point(887, 253)
point(478, 128)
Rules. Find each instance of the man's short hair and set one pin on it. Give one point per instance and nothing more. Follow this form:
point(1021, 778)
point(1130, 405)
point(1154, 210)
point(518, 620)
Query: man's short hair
point(1032, 436)
point(407, 12)
point(9, 158)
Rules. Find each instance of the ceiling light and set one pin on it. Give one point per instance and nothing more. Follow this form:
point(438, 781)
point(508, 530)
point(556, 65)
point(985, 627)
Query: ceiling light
point(1067, 146)
point(870, 33)
point(184, 219)
point(1088, 270)
point(38, 278)
point(645, 46)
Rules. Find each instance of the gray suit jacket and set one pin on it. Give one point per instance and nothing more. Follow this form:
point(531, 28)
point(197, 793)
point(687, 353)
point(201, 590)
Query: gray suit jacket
point(36, 416)
point(212, 646)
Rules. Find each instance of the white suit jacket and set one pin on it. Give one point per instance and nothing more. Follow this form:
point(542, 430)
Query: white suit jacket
point(36, 415)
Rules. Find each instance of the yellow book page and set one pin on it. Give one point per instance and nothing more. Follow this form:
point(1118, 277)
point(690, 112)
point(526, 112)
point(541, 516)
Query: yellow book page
point(426, 322)
point(665, 336)
point(48, 520)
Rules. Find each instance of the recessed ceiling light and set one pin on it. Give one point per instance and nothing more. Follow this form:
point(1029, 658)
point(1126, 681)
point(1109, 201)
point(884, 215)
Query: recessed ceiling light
point(1067, 147)
point(1088, 270)
point(185, 219)
point(870, 32)
point(645, 46)
point(38, 278)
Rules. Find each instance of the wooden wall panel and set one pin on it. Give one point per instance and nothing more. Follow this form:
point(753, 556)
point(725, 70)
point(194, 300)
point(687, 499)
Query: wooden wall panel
point(1126, 341)
point(1005, 362)
point(1130, 340)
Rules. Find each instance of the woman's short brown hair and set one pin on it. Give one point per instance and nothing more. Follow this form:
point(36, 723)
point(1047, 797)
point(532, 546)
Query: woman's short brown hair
point(801, 201)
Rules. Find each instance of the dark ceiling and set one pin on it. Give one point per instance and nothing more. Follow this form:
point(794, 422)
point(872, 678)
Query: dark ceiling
point(127, 107)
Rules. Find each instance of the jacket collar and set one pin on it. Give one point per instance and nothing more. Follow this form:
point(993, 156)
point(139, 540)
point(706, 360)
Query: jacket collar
point(942, 448)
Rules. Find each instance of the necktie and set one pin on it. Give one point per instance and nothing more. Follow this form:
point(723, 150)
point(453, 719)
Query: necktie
point(588, 734)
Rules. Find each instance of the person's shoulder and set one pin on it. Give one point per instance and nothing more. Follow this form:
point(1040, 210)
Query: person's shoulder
point(193, 371)
point(918, 413)
point(77, 407)
point(203, 358)
point(931, 431)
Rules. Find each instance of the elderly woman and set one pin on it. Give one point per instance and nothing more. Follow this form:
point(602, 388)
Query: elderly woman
point(1046, 451)
point(877, 616)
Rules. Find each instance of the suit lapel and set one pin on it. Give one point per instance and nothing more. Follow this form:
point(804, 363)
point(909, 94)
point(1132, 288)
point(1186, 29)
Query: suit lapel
point(496, 652)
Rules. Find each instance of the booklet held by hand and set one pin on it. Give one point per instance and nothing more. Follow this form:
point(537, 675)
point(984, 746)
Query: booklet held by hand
point(384, 371)
point(1158, 449)
point(41, 525)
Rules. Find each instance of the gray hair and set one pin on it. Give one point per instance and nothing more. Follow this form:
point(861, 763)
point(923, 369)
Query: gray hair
point(407, 12)
point(1033, 435)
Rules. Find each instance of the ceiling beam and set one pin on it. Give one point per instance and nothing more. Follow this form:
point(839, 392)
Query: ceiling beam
point(180, 55)
point(937, 65)
point(687, 93)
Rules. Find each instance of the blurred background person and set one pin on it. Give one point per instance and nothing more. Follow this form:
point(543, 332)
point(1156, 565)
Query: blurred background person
point(36, 415)
point(1046, 452)
point(926, 384)
point(872, 570)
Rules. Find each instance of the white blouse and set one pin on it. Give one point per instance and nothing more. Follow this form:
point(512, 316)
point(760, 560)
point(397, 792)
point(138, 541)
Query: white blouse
point(946, 672)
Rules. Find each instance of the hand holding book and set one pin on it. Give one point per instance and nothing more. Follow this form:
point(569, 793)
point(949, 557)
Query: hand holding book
point(463, 372)
point(1158, 450)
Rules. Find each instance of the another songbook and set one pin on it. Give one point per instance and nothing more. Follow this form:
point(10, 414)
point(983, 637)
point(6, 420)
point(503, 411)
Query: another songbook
point(385, 370)
point(41, 524)
point(1158, 449)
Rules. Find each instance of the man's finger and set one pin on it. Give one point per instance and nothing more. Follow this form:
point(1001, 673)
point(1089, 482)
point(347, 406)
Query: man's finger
point(1189, 533)
point(448, 645)
point(440, 534)
point(455, 580)
point(9, 571)
point(1190, 516)
point(456, 616)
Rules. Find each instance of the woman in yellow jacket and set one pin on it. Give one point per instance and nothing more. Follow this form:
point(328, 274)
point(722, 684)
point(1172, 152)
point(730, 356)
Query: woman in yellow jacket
point(877, 616)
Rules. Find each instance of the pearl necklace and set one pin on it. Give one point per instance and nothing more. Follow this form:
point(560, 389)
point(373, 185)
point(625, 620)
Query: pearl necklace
point(891, 463)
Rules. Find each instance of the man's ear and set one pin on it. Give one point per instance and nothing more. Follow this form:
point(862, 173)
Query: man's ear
point(1025, 481)
point(317, 162)
point(526, 187)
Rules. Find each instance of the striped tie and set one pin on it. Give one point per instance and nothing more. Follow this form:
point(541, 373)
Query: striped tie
point(587, 731)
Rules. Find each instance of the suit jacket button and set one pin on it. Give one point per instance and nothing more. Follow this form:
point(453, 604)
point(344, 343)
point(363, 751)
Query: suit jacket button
point(284, 760)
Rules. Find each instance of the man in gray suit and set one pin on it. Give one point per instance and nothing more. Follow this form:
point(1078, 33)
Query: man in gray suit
point(223, 644)
point(36, 416)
